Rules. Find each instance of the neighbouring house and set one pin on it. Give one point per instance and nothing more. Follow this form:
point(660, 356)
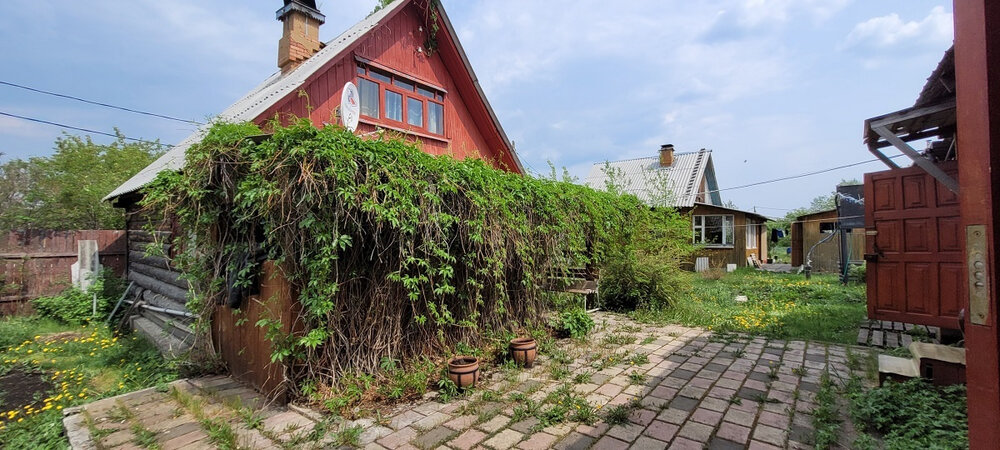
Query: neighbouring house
point(821, 228)
point(686, 181)
point(413, 78)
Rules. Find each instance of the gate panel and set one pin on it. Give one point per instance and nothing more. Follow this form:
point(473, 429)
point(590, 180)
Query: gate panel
point(913, 247)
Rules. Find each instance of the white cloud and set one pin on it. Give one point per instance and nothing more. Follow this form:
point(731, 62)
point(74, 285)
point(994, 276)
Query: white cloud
point(12, 126)
point(890, 32)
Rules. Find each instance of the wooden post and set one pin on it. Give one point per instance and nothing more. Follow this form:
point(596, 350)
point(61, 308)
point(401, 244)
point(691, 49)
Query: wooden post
point(977, 73)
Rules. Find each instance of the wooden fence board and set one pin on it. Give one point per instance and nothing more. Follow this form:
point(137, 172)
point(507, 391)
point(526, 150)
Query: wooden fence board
point(36, 263)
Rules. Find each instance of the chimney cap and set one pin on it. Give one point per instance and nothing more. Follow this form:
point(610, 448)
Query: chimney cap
point(667, 147)
point(307, 7)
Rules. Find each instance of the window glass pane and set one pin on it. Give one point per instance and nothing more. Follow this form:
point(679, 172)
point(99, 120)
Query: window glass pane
point(435, 118)
point(380, 76)
point(425, 92)
point(713, 221)
point(698, 236)
point(369, 97)
point(361, 70)
point(403, 84)
point(414, 112)
point(697, 221)
point(393, 106)
point(713, 235)
point(752, 236)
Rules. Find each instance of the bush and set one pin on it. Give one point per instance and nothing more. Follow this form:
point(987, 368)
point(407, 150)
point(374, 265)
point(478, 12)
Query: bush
point(75, 306)
point(575, 323)
point(858, 273)
point(645, 272)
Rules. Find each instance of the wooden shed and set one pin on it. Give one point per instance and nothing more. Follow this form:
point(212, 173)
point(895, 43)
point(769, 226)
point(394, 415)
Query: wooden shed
point(810, 229)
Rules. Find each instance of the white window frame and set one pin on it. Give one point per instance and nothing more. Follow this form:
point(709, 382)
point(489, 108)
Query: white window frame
point(753, 235)
point(728, 230)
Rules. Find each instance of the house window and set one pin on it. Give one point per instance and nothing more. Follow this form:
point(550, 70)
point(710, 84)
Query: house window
point(400, 102)
point(716, 230)
point(827, 227)
point(753, 231)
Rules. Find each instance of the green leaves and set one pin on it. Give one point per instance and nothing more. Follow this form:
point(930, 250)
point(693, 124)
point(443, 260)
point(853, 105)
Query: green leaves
point(387, 247)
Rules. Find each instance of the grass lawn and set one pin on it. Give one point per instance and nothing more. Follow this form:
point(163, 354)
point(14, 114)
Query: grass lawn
point(46, 366)
point(785, 306)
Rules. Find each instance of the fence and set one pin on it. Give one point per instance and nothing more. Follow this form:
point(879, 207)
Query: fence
point(36, 263)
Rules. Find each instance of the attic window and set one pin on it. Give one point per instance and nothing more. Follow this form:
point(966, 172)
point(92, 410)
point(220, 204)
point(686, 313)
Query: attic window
point(400, 102)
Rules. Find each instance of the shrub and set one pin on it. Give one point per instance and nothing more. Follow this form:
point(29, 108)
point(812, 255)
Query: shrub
point(575, 323)
point(858, 273)
point(74, 306)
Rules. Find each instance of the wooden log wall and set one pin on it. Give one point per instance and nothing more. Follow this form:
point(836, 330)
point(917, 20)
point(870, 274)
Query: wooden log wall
point(157, 283)
point(36, 263)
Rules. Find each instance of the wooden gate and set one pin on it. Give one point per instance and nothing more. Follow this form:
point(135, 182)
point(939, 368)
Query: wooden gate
point(914, 249)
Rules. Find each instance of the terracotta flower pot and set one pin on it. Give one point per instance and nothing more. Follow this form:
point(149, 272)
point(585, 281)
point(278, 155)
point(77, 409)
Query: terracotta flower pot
point(464, 371)
point(524, 351)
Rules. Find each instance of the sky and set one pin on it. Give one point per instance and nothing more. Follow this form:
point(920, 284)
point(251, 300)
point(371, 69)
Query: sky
point(773, 87)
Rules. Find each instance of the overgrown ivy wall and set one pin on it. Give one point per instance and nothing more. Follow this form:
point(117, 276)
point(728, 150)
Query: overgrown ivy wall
point(395, 253)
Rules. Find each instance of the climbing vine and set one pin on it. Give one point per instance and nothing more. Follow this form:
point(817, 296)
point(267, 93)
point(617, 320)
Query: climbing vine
point(394, 253)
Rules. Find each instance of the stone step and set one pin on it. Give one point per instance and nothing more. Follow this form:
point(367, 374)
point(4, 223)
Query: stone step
point(165, 342)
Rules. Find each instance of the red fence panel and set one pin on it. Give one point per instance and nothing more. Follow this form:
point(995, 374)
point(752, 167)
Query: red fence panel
point(36, 263)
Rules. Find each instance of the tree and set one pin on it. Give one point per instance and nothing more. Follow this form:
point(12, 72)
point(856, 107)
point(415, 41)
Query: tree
point(65, 191)
point(819, 203)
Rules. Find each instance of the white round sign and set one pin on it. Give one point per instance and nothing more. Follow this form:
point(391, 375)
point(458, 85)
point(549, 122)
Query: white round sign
point(350, 106)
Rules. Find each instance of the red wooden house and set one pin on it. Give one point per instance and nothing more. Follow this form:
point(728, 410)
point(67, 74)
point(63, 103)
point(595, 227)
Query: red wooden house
point(413, 78)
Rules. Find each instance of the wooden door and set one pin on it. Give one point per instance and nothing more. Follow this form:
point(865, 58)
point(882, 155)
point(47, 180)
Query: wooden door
point(913, 247)
point(244, 346)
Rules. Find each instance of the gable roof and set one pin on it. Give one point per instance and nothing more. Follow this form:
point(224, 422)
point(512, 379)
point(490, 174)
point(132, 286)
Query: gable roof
point(646, 179)
point(278, 86)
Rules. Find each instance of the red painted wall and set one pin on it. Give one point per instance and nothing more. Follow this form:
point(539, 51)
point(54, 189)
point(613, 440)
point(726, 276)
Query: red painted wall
point(469, 130)
point(977, 75)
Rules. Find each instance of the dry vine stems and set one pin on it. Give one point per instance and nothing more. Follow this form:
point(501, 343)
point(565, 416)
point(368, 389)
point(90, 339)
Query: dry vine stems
point(395, 253)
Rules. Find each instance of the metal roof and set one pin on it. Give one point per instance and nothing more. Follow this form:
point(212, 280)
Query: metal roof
point(676, 185)
point(278, 85)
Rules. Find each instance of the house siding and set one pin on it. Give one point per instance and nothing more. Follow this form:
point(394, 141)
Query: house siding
point(738, 253)
point(469, 131)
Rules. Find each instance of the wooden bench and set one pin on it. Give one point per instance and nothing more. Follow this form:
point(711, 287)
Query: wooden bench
point(576, 280)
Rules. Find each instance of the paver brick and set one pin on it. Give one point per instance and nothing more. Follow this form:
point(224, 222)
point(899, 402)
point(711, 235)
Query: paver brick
point(706, 416)
point(627, 432)
point(537, 441)
point(685, 444)
point(609, 443)
point(504, 439)
point(661, 430)
point(461, 422)
point(769, 435)
point(733, 432)
point(434, 437)
point(575, 441)
point(696, 431)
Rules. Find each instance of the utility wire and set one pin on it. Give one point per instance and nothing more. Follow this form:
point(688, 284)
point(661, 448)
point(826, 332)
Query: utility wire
point(801, 175)
point(85, 130)
point(92, 102)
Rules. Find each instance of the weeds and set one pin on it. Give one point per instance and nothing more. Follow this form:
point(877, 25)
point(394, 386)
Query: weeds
point(826, 423)
point(912, 414)
point(637, 377)
point(582, 377)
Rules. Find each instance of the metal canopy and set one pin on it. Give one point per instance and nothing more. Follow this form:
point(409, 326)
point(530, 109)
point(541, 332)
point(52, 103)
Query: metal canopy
point(898, 128)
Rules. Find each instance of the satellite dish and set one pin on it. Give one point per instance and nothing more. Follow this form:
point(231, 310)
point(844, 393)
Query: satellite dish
point(350, 106)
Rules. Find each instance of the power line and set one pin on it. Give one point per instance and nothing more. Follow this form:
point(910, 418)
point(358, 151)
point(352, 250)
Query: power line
point(802, 175)
point(85, 130)
point(92, 102)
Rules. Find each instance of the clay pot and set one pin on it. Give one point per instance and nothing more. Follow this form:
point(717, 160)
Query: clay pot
point(463, 371)
point(524, 350)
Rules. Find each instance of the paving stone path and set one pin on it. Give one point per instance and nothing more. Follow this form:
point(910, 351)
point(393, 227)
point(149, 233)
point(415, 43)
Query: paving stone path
point(693, 389)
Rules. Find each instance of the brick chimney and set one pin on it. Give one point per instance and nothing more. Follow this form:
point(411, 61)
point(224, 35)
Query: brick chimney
point(666, 155)
point(300, 38)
